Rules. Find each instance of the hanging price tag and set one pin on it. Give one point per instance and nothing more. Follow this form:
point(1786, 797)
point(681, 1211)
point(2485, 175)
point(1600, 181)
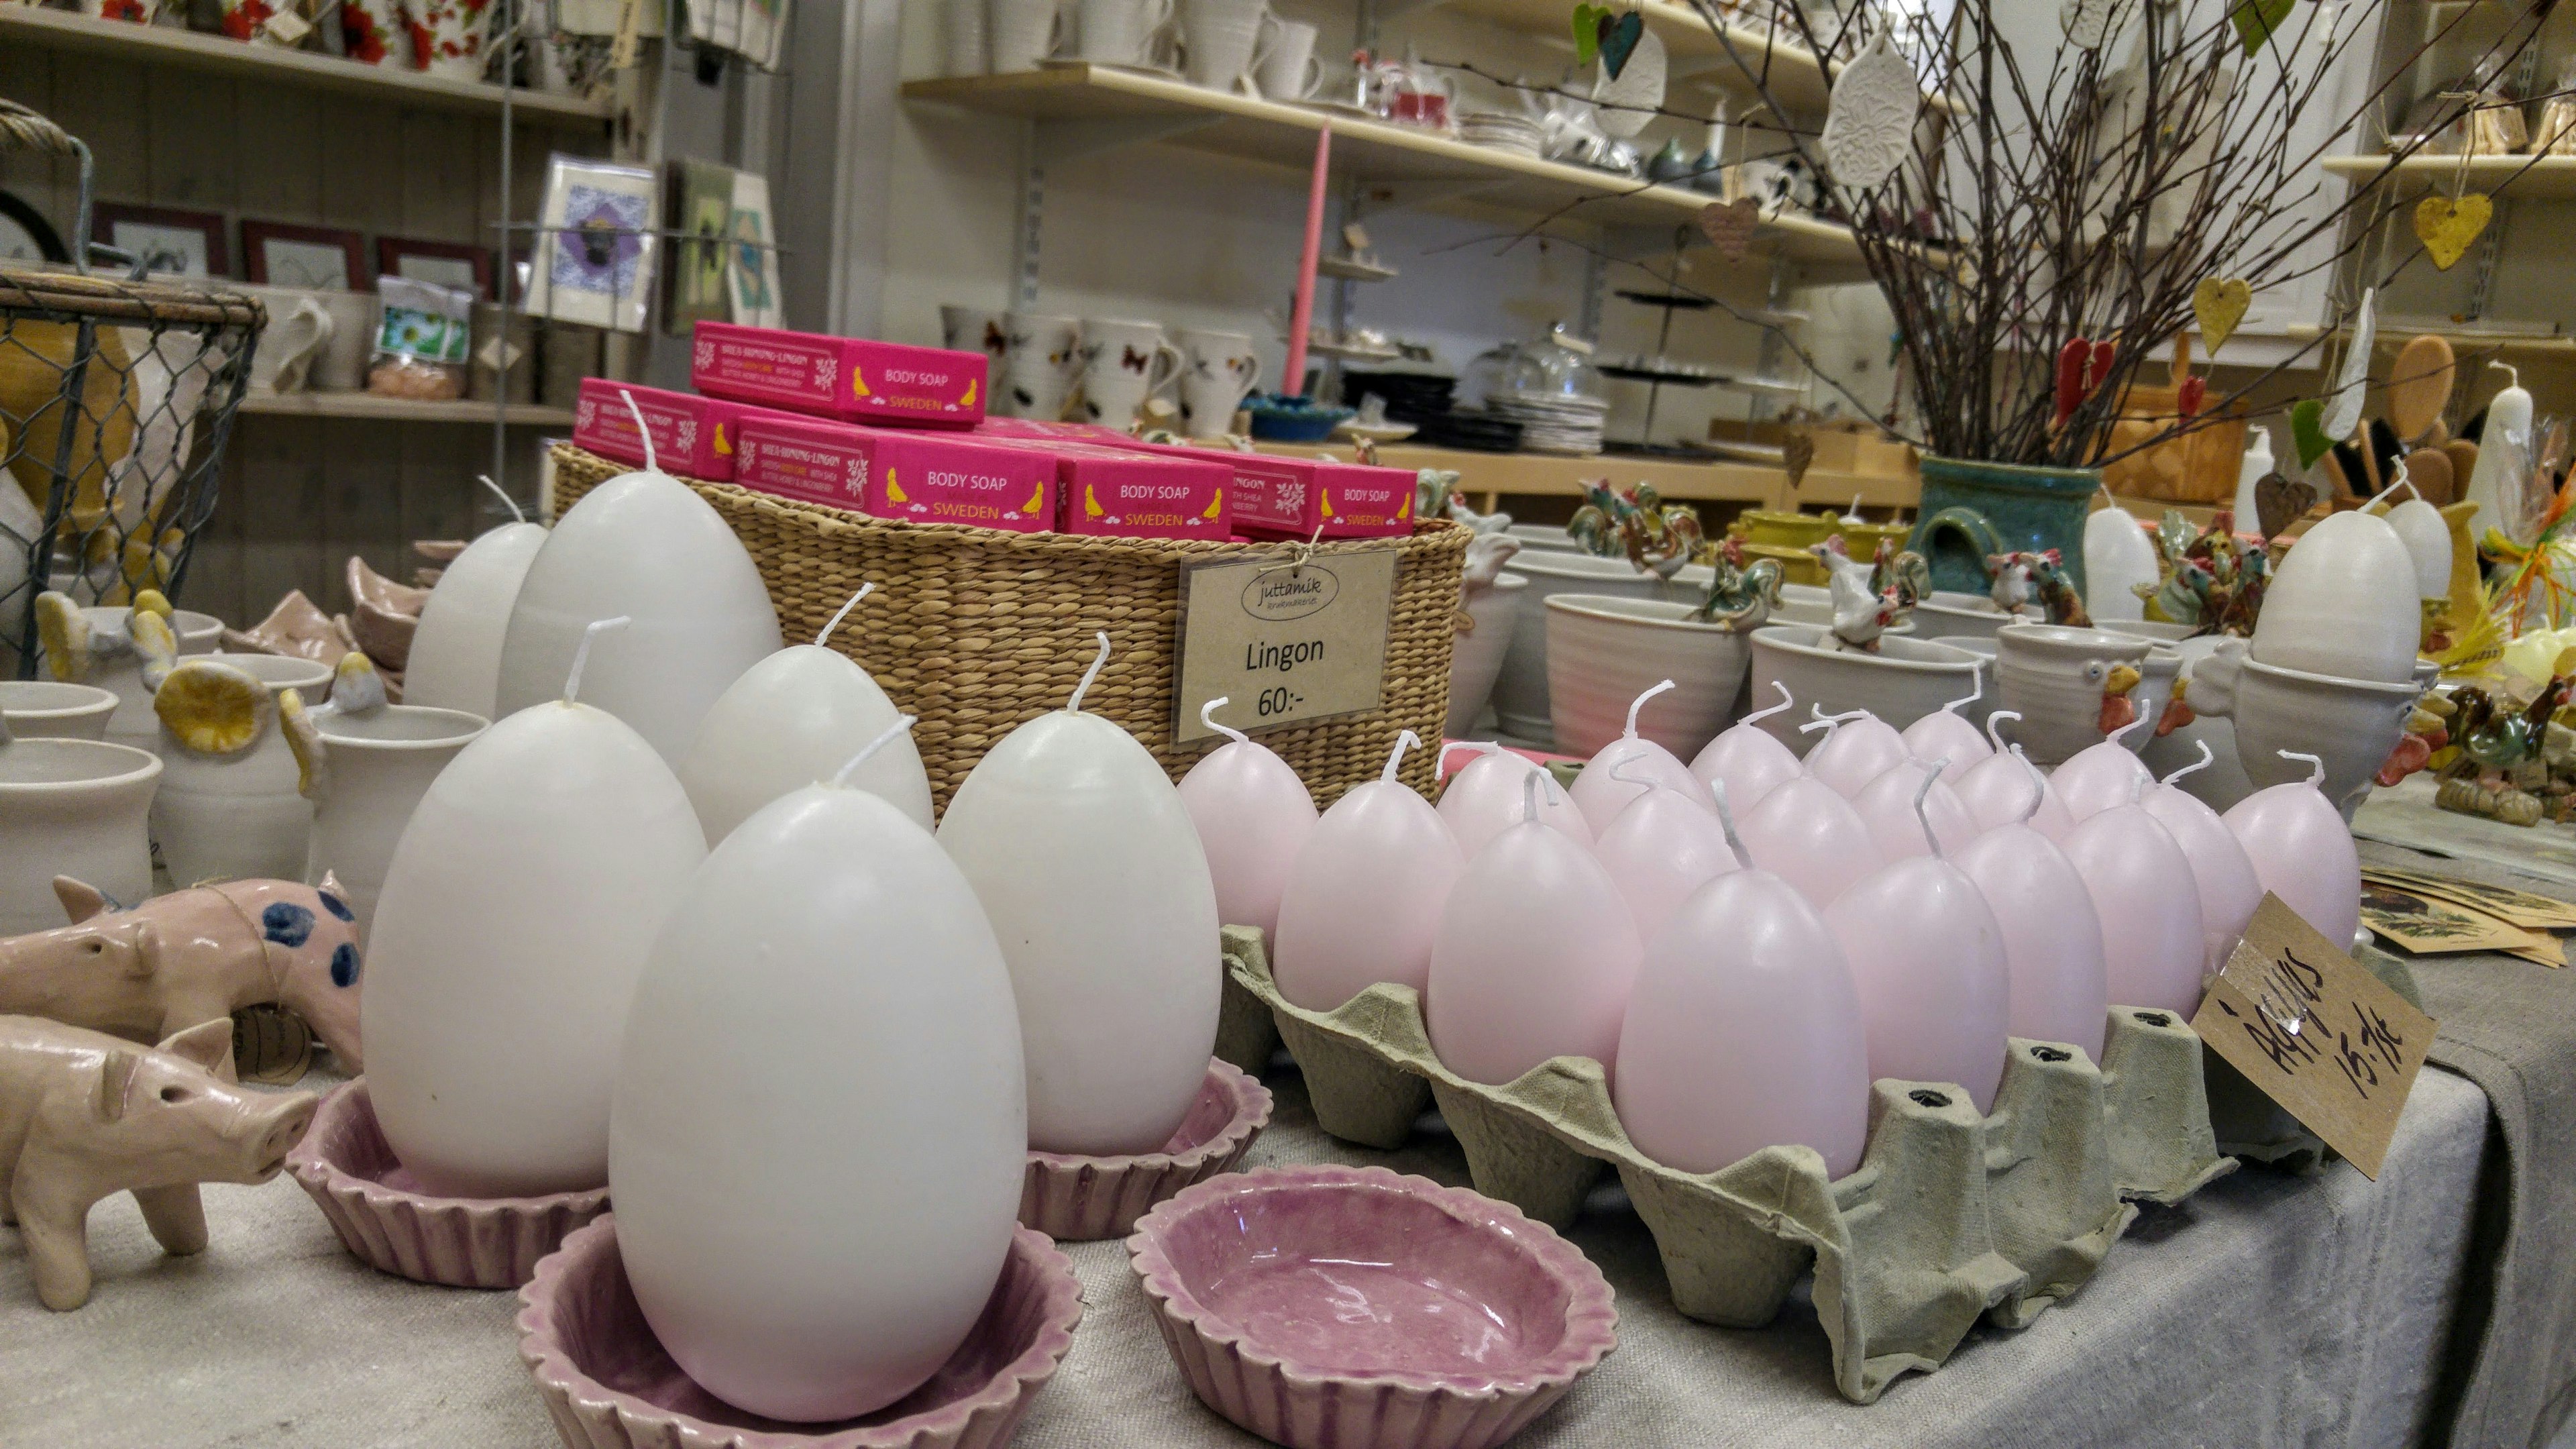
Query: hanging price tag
point(1288, 642)
point(2317, 1033)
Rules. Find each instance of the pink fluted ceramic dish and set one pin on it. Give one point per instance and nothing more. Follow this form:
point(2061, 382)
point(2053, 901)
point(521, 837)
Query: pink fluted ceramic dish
point(1349, 1308)
point(380, 1212)
point(1085, 1199)
point(609, 1383)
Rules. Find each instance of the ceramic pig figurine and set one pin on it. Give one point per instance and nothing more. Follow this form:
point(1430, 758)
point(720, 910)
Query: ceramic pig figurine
point(193, 956)
point(83, 1115)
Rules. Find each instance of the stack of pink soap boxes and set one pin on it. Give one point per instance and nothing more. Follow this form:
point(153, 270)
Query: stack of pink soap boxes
point(899, 433)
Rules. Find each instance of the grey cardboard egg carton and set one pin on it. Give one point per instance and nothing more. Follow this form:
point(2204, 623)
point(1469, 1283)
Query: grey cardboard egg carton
point(1950, 1216)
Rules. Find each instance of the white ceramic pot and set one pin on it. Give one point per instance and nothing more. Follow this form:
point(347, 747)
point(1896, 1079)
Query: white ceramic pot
point(230, 817)
point(1949, 614)
point(1520, 690)
point(1604, 651)
point(2350, 724)
point(1546, 537)
point(75, 808)
point(122, 675)
point(2054, 676)
point(2222, 782)
point(1477, 656)
point(48, 709)
point(377, 767)
point(2343, 604)
point(1904, 681)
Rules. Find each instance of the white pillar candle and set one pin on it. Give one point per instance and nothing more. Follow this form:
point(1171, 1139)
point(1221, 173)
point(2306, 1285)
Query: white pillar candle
point(2220, 869)
point(2061, 987)
point(2302, 852)
point(1858, 747)
point(1484, 799)
point(644, 546)
point(1089, 868)
point(1364, 899)
point(793, 719)
point(1602, 791)
point(1746, 760)
point(2508, 418)
point(2150, 908)
point(2117, 557)
point(1946, 735)
point(2249, 475)
point(2427, 536)
point(455, 660)
point(1663, 847)
point(1253, 816)
point(515, 916)
point(820, 1123)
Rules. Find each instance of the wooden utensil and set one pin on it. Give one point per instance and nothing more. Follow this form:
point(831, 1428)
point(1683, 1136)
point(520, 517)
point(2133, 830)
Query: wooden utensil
point(2464, 463)
point(2429, 469)
point(2419, 385)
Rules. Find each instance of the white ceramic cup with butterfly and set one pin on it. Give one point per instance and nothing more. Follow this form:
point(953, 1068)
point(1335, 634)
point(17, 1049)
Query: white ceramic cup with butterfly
point(1224, 40)
point(1120, 32)
point(1291, 70)
point(1123, 364)
point(1218, 369)
point(1040, 356)
point(1021, 33)
point(977, 329)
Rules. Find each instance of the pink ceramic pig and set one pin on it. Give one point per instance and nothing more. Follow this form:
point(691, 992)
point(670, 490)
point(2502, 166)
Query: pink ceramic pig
point(192, 956)
point(83, 1115)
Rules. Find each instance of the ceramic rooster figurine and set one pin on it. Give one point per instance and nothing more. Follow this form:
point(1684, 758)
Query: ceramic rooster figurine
point(1861, 611)
point(2023, 579)
point(1636, 524)
point(1740, 595)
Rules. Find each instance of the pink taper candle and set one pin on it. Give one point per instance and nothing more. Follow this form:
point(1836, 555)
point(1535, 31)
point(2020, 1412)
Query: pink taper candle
point(1293, 380)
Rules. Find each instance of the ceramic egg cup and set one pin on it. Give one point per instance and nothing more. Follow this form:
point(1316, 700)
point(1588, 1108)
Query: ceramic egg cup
point(609, 1384)
point(1277, 1351)
point(1966, 1216)
point(351, 1172)
point(1085, 1199)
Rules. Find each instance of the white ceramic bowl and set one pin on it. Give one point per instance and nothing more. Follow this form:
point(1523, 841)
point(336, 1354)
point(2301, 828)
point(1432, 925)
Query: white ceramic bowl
point(2351, 724)
point(50, 709)
point(1545, 537)
point(76, 808)
point(1948, 614)
point(1477, 656)
point(1520, 690)
point(1603, 651)
point(2053, 675)
point(1904, 681)
point(239, 816)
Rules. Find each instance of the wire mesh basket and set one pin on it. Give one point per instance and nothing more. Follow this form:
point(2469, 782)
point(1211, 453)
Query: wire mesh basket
point(117, 396)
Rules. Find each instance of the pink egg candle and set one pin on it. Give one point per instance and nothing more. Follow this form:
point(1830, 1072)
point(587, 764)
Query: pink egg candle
point(2302, 852)
point(1946, 736)
point(2006, 789)
point(2061, 986)
point(1254, 817)
point(1897, 822)
point(2220, 869)
point(1363, 901)
point(1663, 847)
point(1746, 759)
point(1604, 789)
point(1484, 799)
point(2100, 776)
point(1811, 837)
point(1858, 747)
point(2150, 908)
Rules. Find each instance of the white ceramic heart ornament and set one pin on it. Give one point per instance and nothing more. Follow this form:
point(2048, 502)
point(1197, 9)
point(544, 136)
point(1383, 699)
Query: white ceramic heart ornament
point(2302, 851)
point(2101, 776)
point(2087, 22)
point(2343, 405)
point(1661, 848)
point(1947, 736)
point(1746, 760)
point(1253, 816)
point(1858, 747)
point(1364, 899)
point(1484, 800)
point(1901, 804)
point(2220, 868)
point(1869, 126)
point(1602, 790)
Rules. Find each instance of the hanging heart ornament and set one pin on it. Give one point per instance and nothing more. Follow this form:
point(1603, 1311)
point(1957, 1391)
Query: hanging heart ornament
point(2352, 381)
point(2278, 503)
point(1797, 452)
point(1588, 20)
point(1632, 85)
point(1729, 225)
point(1618, 36)
point(2307, 430)
point(2447, 227)
point(2219, 303)
point(1869, 125)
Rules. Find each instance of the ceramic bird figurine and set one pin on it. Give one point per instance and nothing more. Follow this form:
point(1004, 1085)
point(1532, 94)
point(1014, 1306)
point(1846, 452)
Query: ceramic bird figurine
point(2118, 710)
point(1901, 572)
point(1740, 595)
point(73, 645)
point(356, 689)
point(2023, 578)
point(2012, 591)
point(1635, 523)
point(1860, 616)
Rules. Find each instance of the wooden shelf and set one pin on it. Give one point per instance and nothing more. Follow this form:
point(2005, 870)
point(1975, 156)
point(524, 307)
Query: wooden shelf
point(1794, 77)
point(1125, 105)
point(2461, 341)
point(1753, 484)
point(2535, 178)
point(124, 40)
point(398, 409)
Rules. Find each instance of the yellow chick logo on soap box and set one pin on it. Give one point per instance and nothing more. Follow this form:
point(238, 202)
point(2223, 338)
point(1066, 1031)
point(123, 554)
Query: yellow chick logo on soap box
point(1037, 500)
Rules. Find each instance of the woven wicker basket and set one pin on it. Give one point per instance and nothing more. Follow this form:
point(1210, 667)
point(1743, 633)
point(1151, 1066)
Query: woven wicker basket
point(979, 631)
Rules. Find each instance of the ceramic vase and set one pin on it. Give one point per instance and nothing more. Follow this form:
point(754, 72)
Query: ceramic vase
point(1476, 659)
point(1520, 690)
point(2055, 676)
point(75, 808)
point(1970, 510)
point(1604, 650)
point(378, 765)
point(238, 816)
point(122, 674)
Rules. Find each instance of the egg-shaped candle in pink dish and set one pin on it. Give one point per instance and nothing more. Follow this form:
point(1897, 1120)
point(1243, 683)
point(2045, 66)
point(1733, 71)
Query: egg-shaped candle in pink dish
point(1364, 898)
point(2150, 908)
point(1946, 735)
point(2006, 789)
point(1534, 957)
point(1660, 849)
point(2100, 776)
point(1484, 799)
point(1896, 824)
point(2220, 868)
point(1809, 836)
point(1253, 816)
point(2302, 852)
point(1858, 747)
point(1603, 789)
point(1746, 759)
point(2061, 988)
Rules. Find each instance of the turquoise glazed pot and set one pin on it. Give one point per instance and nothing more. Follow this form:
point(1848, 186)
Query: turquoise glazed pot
point(1971, 510)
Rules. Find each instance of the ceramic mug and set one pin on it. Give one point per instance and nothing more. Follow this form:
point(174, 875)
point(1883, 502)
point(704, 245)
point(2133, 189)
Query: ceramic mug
point(1020, 33)
point(1218, 369)
point(121, 674)
point(968, 51)
point(300, 328)
point(342, 363)
point(379, 765)
point(77, 808)
point(1123, 364)
point(1224, 39)
point(1040, 356)
point(1292, 70)
point(373, 31)
point(1120, 32)
point(977, 329)
point(2054, 676)
point(240, 815)
point(447, 36)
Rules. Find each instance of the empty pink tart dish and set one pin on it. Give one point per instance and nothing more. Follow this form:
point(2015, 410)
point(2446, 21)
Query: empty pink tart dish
point(1354, 1308)
point(1085, 1199)
point(610, 1384)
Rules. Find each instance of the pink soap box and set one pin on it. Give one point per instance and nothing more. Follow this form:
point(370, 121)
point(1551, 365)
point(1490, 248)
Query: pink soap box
point(925, 478)
point(1132, 492)
point(692, 436)
point(855, 379)
point(1279, 497)
point(806, 459)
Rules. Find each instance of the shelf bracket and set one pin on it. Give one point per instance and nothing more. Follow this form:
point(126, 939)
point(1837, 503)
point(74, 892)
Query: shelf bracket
point(1060, 141)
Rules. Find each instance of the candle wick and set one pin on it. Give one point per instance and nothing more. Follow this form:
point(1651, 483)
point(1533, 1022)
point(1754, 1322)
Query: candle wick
point(1639, 703)
point(2135, 721)
point(902, 722)
point(1074, 705)
point(1440, 766)
point(2316, 765)
point(1932, 777)
point(642, 433)
point(1787, 701)
point(517, 515)
point(1529, 796)
point(581, 653)
point(2202, 763)
point(2038, 783)
point(1652, 785)
point(1977, 679)
point(2512, 374)
point(1995, 735)
point(1207, 716)
point(1405, 741)
point(826, 635)
point(2138, 784)
point(1726, 822)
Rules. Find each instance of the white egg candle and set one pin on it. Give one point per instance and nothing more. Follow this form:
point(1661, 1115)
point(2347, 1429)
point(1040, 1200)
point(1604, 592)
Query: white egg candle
point(2150, 908)
point(1746, 760)
point(1484, 799)
point(1810, 836)
point(1091, 873)
point(455, 660)
point(2302, 852)
point(1858, 747)
point(791, 720)
point(1897, 822)
point(1534, 957)
point(820, 1124)
point(644, 546)
point(2220, 869)
point(2100, 776)
point(2508, 416)
point(1364, 899)
point(1602, 790)
point(2343, 603)
point(1946, 736)
point(2427, 536)
point(2061, 986)
point(1662, 847)
point(2117, 557)
point(1253, 817)
point(516, 913)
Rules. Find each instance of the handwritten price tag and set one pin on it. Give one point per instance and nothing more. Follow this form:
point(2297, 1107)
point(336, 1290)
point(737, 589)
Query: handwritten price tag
point(2317, 1033)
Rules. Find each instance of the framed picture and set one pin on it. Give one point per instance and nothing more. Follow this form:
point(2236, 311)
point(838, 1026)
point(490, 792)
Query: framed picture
point(702, 211)
point(594, 255)
point(188, 243)
point(754, 271)
point(319, 258)
point(449, 264)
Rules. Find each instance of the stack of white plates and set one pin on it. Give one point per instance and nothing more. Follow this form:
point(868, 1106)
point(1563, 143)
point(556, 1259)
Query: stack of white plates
point(1501, 130)
point(1553, 422)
